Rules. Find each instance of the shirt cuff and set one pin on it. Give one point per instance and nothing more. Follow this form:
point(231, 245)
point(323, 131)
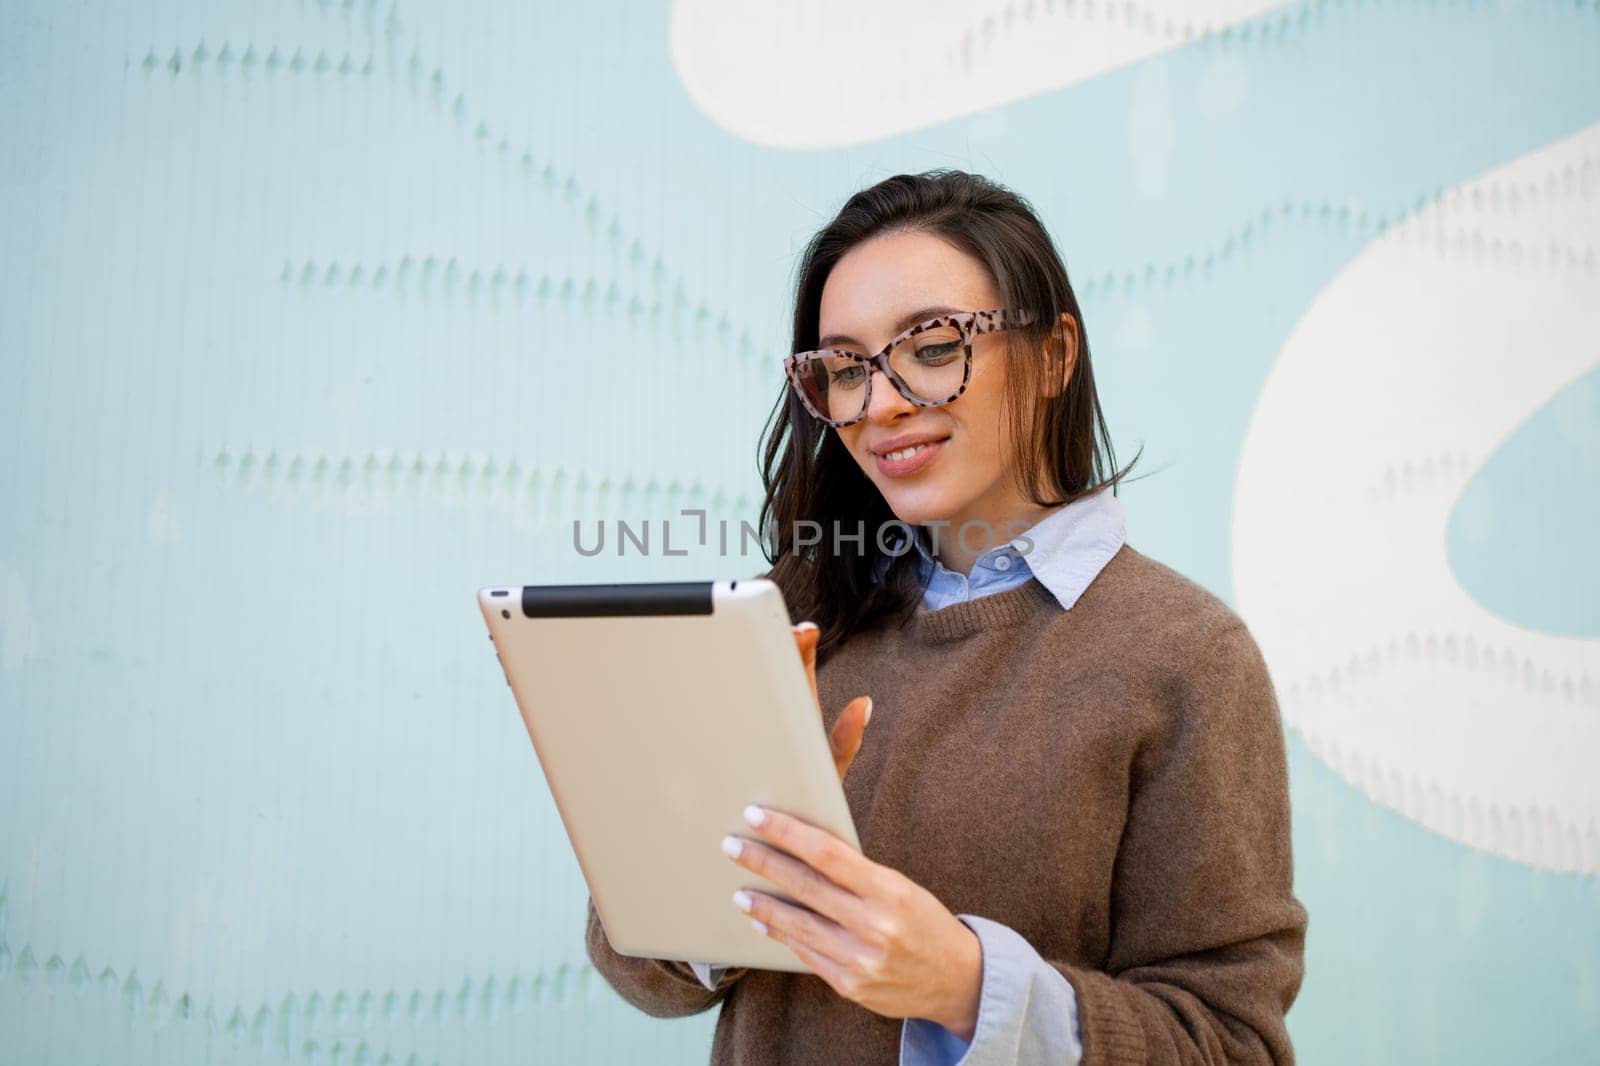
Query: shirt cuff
point(1027, 1011)
point(709, 975)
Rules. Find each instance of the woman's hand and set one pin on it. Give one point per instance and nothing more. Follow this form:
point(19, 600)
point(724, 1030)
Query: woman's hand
point(874, 935)
point(845, 740)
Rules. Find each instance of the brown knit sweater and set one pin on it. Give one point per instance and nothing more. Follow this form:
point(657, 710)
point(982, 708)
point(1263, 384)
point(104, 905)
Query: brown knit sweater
point(1109, 781)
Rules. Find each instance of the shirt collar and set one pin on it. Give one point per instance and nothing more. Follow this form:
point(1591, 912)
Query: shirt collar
point(1064, 551)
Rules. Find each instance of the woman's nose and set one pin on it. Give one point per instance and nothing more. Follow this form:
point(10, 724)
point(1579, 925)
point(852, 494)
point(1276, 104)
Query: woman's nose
point(885, 401)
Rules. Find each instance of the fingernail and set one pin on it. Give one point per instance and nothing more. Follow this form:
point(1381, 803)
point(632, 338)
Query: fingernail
point(867, 715)
point(754, 815)
point(732, 846)
point(807, 625)
point(760, 926)
point(741, 899)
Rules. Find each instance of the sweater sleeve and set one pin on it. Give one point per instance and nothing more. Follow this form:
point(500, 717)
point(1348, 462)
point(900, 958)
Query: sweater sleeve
point(662, 988)
point(1208, 938)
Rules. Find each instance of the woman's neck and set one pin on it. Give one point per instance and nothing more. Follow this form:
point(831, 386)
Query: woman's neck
point(998, 526)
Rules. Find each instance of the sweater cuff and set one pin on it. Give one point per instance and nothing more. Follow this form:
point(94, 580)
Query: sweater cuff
point(1112, 1035)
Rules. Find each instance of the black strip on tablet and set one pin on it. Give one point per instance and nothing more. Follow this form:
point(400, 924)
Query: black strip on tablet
point(611, 601)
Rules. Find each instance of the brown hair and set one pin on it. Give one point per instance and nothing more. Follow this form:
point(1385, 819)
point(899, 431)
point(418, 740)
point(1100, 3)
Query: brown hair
point(810, 477)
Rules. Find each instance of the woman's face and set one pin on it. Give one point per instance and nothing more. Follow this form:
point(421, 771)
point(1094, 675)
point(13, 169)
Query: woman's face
point(877, 289)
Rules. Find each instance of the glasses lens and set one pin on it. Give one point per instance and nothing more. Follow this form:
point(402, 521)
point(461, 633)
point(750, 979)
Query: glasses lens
point(932, 363)
point(835, 384)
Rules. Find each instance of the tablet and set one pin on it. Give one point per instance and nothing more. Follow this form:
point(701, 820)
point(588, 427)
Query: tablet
point(657, 712)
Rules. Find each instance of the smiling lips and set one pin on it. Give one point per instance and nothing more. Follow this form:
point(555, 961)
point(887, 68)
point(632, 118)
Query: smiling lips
point(905, 460)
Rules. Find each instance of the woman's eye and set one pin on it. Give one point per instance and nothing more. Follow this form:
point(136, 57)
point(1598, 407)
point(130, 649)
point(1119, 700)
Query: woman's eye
point(938, 354)
point(845, 377)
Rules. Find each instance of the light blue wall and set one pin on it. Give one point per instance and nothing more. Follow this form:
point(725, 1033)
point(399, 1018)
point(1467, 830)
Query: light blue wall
point(316, 317)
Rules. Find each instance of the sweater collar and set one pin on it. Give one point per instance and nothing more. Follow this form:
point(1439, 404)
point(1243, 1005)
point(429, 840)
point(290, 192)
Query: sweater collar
point(1009, 607)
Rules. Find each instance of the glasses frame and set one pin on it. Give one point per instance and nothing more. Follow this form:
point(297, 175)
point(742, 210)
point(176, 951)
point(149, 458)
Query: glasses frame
point(970, 323)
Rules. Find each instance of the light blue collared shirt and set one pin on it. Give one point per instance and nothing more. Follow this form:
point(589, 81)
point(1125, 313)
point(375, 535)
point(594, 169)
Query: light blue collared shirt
point(1027, 1011)
point(1065, 550)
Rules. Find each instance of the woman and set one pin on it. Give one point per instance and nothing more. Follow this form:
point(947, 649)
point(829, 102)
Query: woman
point(1073, 798)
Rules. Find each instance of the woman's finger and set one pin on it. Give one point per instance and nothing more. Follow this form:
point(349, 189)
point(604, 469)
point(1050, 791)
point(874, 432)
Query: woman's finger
point(806, 635)
point(845, 740)
point(826, 968)
point(802, 929)
point(803, 883)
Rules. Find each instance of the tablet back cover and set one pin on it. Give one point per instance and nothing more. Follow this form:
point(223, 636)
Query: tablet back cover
point(657, 712)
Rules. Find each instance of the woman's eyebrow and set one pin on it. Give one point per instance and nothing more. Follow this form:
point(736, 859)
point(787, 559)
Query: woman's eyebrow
point(906, 321)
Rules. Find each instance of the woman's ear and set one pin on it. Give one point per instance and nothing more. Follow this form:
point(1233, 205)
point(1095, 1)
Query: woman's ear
point(1062, 348)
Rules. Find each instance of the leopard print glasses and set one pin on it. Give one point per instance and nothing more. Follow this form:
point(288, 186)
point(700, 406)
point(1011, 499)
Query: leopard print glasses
point(929, 364)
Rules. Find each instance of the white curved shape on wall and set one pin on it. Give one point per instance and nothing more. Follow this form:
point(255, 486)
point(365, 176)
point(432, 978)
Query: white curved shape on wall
point(1405, 375)
point(830, 73)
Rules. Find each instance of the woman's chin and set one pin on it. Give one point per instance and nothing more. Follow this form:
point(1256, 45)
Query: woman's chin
point(917, 505)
